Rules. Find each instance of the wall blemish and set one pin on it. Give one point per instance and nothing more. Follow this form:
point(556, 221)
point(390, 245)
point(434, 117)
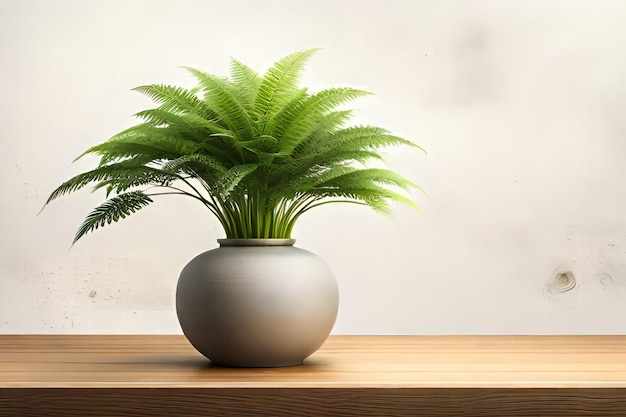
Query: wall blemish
point(563, 281)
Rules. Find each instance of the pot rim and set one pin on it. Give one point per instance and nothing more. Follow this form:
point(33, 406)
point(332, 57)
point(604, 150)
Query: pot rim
point(256, 242)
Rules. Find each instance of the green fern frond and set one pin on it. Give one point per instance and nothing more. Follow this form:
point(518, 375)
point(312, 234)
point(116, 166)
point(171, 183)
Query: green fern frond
point(103, 173)
point(352, 138)
point(195, 163)
point(112, 210)
point(148, 142)
point(132, 178)
point(246, 80)
point(262, 143)
point(162, 118)
point(176, 99)
point(309, 165)
point(297, 124)
point(280, 83)
point(189, 125)
point(227, 182)
point(362, 177)
point(302, 182)
point(328, 123)
point(376, 197)
point(221, 96)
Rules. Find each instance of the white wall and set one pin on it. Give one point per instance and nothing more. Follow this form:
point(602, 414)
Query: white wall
point(521, 106)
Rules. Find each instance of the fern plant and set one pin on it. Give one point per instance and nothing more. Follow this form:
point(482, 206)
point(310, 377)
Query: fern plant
point(256, 151)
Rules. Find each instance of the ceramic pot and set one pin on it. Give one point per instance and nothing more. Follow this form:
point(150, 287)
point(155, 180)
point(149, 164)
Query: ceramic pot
point(257, 303)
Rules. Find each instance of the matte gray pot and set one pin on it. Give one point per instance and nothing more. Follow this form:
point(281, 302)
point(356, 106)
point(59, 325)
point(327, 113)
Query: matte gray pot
point(257, 303)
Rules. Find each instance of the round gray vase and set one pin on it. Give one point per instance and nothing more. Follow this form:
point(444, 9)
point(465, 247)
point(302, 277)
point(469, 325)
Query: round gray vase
point(257, 303)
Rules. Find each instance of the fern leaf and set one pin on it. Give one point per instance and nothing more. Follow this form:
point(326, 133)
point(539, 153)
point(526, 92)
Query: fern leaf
point(293, 126)
point(189, 125)
point(221, 96)
point(163, 118)
point(246, 81)
point(149, 142)
point(195, 162)
point(351, 139)
point(176, 99)
point(102, 173)
point(112, 210)
point(371, 176)
point(328, 123)
point(280, 83)
point(227, 182)
point(131, 178)
point(376, 197)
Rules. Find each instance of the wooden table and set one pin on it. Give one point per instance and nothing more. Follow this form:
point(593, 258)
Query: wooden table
point(349, 376)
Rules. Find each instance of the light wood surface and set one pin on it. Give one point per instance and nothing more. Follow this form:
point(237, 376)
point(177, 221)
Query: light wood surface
point(349, 375)
point(348, 361)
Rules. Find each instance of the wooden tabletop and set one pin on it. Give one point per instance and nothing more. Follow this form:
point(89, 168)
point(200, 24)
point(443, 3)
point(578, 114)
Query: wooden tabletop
point(487, 364)
point(355, 361)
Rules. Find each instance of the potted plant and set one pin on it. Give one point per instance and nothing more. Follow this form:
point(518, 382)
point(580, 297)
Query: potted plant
point(258, 152)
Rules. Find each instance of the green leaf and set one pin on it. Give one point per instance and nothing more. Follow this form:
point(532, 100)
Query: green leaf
point(221, 96)
point(295, 125)
point(176, 99)
point(113, 210)
point(109, 173)
point(280, 83)
point(227, 182)
point(246, 81)
point(195, 163)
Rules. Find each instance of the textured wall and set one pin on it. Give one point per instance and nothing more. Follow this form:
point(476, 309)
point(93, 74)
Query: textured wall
point(521, 106)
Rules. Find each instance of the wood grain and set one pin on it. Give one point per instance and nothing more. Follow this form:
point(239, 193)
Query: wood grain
point(349, 375)
point(306, 402)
